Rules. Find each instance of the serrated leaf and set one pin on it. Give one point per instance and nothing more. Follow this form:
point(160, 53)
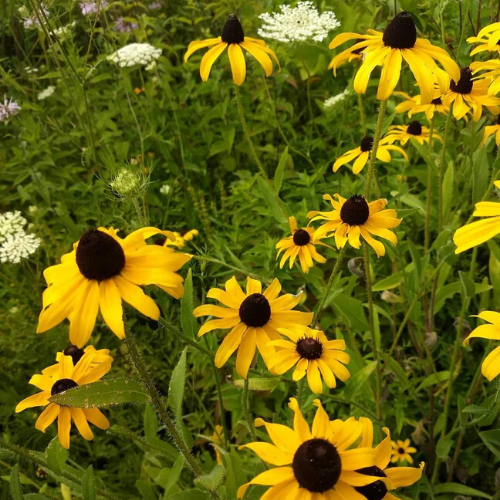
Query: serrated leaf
point(103, 393)
point(258, 384)
point(16, 490)
point(88, 484)
point(188, 321)
point(278, 176)
point(270, 198)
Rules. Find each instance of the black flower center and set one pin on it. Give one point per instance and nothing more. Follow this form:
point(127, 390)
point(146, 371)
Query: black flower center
point(414, 128)
point(301, 237)
point(401, 451)
point(255, 310)
point(99, 256)
point(75, 352)
point(464, 85)
point(63, 385)
point(309, 348)
point(355, 211)
point(498, 120)
point(317, 465)
point(401, 32)
point(366, 144)
point(437, 101)
point(233, 31)
point(376, 490)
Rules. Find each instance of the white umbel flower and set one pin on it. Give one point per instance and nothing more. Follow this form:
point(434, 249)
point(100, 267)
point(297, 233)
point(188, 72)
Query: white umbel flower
point(334, 100)
point(298, 24)
point(46, 93)
point(11, 223)
point(17, 247)
point(135, 54)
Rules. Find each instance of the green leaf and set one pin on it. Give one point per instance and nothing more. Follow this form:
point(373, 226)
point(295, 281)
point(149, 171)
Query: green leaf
point(460, 489)
point(258, 384)
point(448, 189)
point(480, 174)
point(35, 496)
point(433, 379)
point(15, 484)
point(270, 198)
point(387, 283)
point(88, 484)
point(355, 383)
point(443, 448)
point(102, 394)
point(173, 478)
point(468, 286)
point(150, 422)
point(278, 176)
point(213, 480)
point(56, 456)
point(425, 154)
point(188, 321)
point(176, 393)
point(352, 309)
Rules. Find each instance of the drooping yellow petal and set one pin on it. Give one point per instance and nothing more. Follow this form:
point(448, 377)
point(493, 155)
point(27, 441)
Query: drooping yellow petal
point(47, 417)
point(64, 426)
point(209, 58)
point(81, 423)
point(111, 308)
point(238, 65)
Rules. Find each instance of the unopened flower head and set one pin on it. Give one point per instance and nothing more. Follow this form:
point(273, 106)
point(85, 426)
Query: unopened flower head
point(93, 7)
point(126, 184)
point(11, 223)
point(17, 247)
point(135, 54)
point(298, 24)
point(46, 93)
point(8, 109)
point(334, 100)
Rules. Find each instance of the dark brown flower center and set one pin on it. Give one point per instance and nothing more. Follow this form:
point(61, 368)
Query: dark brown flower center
point(233, 31)
point(437, 101)
point(464, 85)
point(401, 32)
point(498, 120)
point(309, 348)
point(255, 310)
point(75, 352)
point(355, 211)
point(62, 385)
point(414, 128)
point(301, 237)
point(317, 465)
point(376, 490)
point(401, 451)
point(366, 144)
point(99, 256)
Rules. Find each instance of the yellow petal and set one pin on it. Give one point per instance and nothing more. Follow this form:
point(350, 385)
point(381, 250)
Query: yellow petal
point(111, 307)
point(209, 58)
point(64, 426)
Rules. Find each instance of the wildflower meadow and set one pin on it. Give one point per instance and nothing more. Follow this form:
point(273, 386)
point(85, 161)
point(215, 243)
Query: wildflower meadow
point(249, 250)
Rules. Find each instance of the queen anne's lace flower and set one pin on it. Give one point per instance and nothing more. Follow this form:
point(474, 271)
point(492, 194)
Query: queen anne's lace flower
point(334, 100)
point(298, 24)
point(18, 247)
point(135, 54)
point(11, 223)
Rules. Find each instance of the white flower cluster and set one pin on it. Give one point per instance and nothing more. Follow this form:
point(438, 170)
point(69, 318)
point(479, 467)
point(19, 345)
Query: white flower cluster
point(135, 54)
point(298, 24)
point(334, 100)
point(15, 243)
point(46, 93)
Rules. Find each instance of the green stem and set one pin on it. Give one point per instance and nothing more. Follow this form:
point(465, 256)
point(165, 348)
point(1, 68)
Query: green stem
point(188, 340)
point(244, 125)
point(335, 271)
point(246, 410)
point(142, 220)
point(378, 371)
point(376, 141)
point(429, 193)
point(441, 170)
point(362, 115)
point(301, 390)
point(204, 258)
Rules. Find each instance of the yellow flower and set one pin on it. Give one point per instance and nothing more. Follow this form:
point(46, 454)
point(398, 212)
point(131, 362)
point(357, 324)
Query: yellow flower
point(353, 218)
point(488, 39)
point(253, 317)
point(66, 375)
point(470, 95)
point(300, 245)
point(413, 105)
point(492, 75)
point(233, 37)
point(313, 354)
point(362, 154)
point(491, 365)
point(398, 476)
point(415, 130)
point(101, 271)
point(180, 239)
point(480, 231)
point(347, 56)
point(312, 464)
point(388, 49)
point(217, 439)
point(490, 130)
point(401, 451)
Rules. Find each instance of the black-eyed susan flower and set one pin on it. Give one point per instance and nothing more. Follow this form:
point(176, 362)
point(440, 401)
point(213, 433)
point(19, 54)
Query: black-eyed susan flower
point(491, 365)
point(413, 105)
point(353, 218)
point(313, 355)
point(235, 40)
point(488, 39)
point(491, 75)
point(348, 55)
point(490, 130)
point(311, 464)
point(476, 233)
point(98, 356)
point(299, 245)
point(468, 95)
point(181, 238)
point(415, 130)
point(388, 49)
point(66, 375)
point(362, 153)
point(254, 318)
point(101, 271)
point(401, 451)
point(398, 476)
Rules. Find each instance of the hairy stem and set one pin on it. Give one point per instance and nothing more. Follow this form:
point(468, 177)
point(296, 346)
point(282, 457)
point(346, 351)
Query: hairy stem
point(373, 154)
